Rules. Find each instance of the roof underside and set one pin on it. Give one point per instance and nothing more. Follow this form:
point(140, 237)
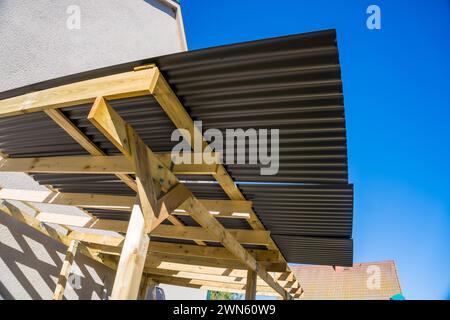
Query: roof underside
point(291, 83)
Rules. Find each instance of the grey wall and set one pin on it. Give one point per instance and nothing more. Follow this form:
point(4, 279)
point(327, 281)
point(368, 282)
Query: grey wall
point(37, 45)
point(30, 263)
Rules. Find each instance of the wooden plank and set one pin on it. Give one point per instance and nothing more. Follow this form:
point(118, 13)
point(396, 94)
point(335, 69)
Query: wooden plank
point(147, 193)
point(83, 200)
point(254, 237)
point(177, 222)
point(160, 260)
point(221, 268)
point(216, 252)
point(122, 85)
point(69, 164)
point(132, 258)
point(67, 125)
point(250, 287)
point(65, 271)
point(189, 250)
point(243, 281)
point(221, 208)
point(229, 276)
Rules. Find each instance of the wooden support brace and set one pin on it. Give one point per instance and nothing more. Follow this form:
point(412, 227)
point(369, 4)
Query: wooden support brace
point(122, 85)
point(65, 270)
point(132, 258)
point(250, 288)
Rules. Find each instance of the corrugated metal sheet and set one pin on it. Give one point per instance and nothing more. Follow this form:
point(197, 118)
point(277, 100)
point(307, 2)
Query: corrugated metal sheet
point(291, 83)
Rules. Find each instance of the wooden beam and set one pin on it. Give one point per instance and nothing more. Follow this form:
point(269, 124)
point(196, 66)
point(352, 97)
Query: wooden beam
point(65, 271)
point(177, 222)
point(190, 250)
point(220, 208)
point(132, 258)
point(69, 164)
point(158, 260)
point(242, 281)
point(109, 122)
point(228, 276)
point(250, 287)
point(122, 85)
point(222, 268)
point(253, 237)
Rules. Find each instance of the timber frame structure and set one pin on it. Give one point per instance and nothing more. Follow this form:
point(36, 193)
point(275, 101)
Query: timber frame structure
point(160, 196)
point(189, 225)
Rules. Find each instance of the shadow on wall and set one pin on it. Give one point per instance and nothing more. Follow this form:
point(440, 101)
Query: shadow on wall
point(30, 263)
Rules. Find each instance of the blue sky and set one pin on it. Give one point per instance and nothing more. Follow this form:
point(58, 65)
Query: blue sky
point(397, 100)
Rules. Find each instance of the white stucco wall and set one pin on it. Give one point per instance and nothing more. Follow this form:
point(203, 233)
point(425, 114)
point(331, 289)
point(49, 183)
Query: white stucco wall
point(37, 45)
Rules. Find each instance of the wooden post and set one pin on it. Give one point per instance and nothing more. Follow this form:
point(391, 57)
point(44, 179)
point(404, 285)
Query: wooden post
point(250, 288)
point(143, 289)
point(132, 258)
point(65, 270)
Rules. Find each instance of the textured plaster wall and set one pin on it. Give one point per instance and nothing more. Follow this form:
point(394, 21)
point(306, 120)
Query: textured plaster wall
point(37, 45)
point(30, 263)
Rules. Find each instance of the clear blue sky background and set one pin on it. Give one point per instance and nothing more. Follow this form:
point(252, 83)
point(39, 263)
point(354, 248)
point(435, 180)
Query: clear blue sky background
point(397, 100)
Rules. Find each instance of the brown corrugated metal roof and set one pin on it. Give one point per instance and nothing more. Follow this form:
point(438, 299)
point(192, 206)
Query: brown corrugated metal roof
point(290, 83)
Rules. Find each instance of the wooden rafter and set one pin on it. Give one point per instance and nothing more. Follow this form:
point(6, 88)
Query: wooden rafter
point(190, 250)
point(119, 165)
point(220, 208)
point(251, 237)
point(122, 85)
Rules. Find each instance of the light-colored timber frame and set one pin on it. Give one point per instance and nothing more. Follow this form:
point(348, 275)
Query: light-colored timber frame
point(160, 196)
